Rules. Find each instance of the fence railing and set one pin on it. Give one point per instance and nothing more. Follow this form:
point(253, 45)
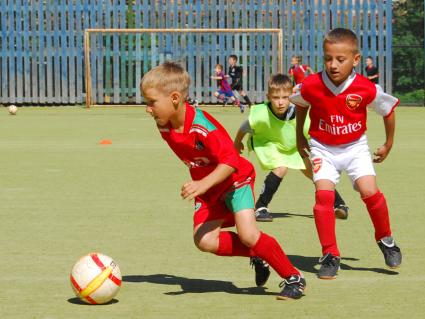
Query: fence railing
point(41, 41)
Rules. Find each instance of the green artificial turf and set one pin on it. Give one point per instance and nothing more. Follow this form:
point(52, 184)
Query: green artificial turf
point(62, 195)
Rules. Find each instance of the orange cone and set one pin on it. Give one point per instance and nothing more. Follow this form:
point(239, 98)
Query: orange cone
point(105, 142)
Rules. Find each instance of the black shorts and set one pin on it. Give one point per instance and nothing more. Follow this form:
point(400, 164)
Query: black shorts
point(237, 87)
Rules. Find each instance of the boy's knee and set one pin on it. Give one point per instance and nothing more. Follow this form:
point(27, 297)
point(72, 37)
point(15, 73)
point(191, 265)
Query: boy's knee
point(280, 171)
point(249, 239)
point(366, 193)
point(206, 243)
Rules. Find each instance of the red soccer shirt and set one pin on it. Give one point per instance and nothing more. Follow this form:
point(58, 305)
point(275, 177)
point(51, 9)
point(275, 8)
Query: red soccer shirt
point(338, 113)
point(203, 144)
point(298, 72)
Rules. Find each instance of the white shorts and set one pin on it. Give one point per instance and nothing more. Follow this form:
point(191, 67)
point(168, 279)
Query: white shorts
point(329, 161)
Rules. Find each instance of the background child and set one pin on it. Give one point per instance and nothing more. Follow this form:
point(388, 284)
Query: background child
point(236, 73)
point(338, 99)
point(298, 71)
point(225, 92)
point(372, 72)
point(272, 129)
point(221, 180)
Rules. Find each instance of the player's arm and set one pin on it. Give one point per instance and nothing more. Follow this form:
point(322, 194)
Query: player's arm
point(384, 104)
point(382, 152)
point(242, 131)
point(310, 70)
point(220, 147)
point(301, 114)
point(214, 77)
point(302, 143)
point(192, 189)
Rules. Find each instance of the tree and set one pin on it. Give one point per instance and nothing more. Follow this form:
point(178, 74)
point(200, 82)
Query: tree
point(408, 46)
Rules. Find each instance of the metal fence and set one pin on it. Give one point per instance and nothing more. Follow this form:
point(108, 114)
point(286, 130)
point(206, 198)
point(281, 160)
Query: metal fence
point(41, 41)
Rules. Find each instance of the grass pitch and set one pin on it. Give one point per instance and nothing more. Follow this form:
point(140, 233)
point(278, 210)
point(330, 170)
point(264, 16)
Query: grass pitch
point(62, 195)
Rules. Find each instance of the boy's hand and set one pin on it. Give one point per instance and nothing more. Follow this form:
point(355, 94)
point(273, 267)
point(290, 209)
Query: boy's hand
point(381, 153)
point(192, 189)
point(302, 146)
point(239, 146)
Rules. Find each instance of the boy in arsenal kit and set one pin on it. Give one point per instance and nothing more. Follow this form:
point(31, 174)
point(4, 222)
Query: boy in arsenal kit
point(338, 99)
point(271, 128)
point(221, 180)
point(298, 72)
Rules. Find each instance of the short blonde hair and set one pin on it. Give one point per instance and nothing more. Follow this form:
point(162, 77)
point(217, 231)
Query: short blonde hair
point(279, 81)
point(167, 77)
point(340, 35)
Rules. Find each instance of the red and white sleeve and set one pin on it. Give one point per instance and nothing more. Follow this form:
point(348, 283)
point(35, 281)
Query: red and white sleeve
point(383, 104)
point(297, 98)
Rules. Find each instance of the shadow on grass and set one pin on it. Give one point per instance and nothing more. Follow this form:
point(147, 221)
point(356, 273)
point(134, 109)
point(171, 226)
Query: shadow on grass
point(378, 270)
point(287, 215)
point(191, 285)
point(77, 301)
point(307, 264)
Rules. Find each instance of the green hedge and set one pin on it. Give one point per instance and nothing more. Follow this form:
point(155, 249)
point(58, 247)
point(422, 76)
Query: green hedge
point(417, 96)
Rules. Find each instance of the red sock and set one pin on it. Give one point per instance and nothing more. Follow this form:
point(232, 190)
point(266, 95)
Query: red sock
point(229, 244)
point(378, 212)
point(324, 218)
point(268, 249)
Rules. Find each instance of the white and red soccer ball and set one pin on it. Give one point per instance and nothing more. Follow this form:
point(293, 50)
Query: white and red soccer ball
point(96, 278)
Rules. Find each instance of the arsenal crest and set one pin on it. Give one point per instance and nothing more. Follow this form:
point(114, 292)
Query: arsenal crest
point(317, 164)
point(353, 101)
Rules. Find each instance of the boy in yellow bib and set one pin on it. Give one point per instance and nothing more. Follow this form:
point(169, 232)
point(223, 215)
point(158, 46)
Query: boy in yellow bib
point(271, 127)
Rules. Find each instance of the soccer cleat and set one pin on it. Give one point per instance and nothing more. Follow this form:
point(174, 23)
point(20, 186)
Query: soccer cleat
point(262, 214)
point(262, 271)
point(329, 266)
point(293, 288)
point(242, 107)
point(341, 211)
point(391, 251)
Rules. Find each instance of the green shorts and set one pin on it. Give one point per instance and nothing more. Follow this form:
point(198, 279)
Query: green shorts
point(240, 198)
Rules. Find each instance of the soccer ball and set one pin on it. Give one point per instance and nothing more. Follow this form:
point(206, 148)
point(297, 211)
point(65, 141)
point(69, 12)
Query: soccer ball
point(96, 278)
point(12, 109)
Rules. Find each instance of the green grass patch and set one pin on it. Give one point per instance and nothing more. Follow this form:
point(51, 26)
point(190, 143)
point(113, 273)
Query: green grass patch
point(62, 195)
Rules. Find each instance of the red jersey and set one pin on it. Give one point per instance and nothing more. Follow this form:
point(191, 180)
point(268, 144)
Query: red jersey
point(203, 144)
point(338, 113)
point(298, 72)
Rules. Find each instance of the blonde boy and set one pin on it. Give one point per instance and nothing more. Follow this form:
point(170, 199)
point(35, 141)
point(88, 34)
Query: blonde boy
point(221, 183)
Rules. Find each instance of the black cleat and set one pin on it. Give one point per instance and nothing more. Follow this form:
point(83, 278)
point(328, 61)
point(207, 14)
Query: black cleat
point(294, 287)
point(242, 107)
point(262, 214)
point(392, 253)
point(262, 271)
point(329, 266)
point(341, 211)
